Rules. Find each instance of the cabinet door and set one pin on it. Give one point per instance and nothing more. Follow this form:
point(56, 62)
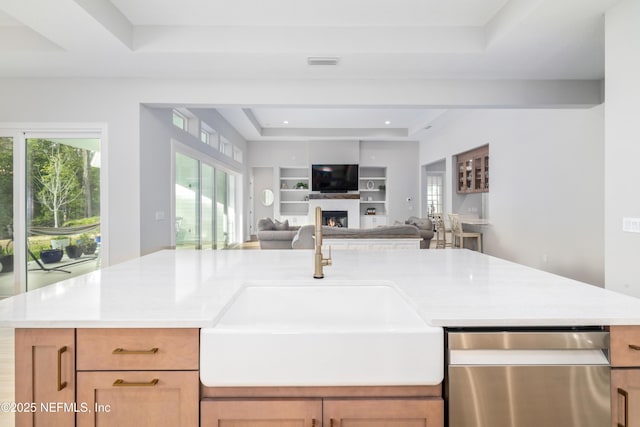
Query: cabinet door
point(261, 413)
point(384, 413)
point(625, 397)
point(138, 398)
point(45, 372)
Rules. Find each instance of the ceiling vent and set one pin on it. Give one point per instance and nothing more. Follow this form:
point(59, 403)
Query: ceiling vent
point(323, 60)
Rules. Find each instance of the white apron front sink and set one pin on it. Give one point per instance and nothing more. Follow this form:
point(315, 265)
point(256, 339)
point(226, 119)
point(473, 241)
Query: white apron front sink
point(320, 333)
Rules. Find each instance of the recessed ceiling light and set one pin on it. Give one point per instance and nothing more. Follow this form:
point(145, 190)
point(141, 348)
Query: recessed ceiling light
point(387, 122)
point(286, 122)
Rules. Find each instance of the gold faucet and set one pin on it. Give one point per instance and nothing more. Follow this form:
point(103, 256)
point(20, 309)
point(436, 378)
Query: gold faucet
point(318, 260)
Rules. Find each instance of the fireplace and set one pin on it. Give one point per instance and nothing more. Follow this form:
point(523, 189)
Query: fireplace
point(335, 218)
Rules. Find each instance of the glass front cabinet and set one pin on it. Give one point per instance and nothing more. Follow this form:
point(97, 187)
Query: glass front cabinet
point(472, 171)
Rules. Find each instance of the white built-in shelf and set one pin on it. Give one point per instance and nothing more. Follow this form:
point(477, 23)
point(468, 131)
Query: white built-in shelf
point(378, 176)
point(292, 200)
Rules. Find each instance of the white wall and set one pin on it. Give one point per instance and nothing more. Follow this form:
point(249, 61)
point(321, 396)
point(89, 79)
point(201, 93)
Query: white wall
point(263, 179)
point(547, 192)
point(401, 160)
point(622, 147)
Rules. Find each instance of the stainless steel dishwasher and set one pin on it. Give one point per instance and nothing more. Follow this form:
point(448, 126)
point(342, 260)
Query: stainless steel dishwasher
point(520, 378)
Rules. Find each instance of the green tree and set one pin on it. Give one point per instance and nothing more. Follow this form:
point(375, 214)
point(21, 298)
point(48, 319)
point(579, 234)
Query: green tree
point(58, 181)
point(6, 186)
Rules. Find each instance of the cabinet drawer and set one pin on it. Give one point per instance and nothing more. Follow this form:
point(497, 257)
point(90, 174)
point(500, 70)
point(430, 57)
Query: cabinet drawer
point(149, 398)
point(137, 349)
point(625, 345)
point(261, 412)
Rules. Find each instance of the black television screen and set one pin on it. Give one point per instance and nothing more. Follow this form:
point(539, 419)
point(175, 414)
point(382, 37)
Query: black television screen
point(334, 178)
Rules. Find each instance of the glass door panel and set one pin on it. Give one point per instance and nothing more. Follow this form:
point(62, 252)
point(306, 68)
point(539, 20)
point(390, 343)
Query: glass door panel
point(231, 209)
point(186, 201)
point(222, 238)
point(206, 201)
point(62, 208)
point(7, 280)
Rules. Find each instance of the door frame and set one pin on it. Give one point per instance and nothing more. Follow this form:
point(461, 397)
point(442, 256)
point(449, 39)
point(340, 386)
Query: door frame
point(20, 132)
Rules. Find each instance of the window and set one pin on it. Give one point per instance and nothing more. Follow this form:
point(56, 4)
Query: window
point(179, 120)
point(435, 192)
point(204, 136)
point(225, 146)
point(237, 154)
point(205, 205)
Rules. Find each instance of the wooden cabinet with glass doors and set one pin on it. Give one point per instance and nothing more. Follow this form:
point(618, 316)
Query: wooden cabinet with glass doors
point(472, 171)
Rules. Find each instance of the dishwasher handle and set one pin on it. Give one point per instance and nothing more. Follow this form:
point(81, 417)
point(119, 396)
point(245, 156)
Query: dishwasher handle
point(527, 357)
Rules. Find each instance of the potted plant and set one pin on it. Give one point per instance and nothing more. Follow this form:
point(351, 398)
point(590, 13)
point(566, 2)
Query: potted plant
point(88, 243)
point(302, 186)
point(6, 258)
point(49, 256)
point(73, 251)
point(59, 242)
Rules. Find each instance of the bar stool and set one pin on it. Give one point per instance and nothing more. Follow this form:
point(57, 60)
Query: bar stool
point(441, 232)
point(458, 234)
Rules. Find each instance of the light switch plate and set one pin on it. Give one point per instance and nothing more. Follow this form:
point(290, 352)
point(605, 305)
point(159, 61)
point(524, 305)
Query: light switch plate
point(631, 225)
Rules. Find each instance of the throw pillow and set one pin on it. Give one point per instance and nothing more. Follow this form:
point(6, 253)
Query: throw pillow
point(266, 224)
point(282, 226)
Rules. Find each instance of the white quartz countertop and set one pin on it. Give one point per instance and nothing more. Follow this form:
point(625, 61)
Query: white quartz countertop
point(189, 288)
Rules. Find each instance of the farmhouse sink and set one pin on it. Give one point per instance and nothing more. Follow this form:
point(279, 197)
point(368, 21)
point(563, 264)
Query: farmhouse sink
point(320, 333)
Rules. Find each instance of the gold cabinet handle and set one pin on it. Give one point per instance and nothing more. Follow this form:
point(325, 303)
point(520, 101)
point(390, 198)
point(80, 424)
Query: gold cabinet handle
point(61, 384)
point(634, 347)
point(625, 409)
point(123, 383)
point(153, 350)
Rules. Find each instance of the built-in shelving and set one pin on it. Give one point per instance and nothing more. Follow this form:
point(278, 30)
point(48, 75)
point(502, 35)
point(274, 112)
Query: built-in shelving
point(473, 171)
point(294, 186)
point(373, 196)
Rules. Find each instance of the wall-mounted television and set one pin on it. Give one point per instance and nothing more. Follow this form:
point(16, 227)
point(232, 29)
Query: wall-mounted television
point(334, 178)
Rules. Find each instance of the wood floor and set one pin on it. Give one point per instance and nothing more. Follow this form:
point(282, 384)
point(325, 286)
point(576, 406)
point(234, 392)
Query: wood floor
point(6, 374)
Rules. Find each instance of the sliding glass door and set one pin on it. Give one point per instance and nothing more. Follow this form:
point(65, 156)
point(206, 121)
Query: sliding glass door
point(187, 190)
point(49, 199)
point(62, 208)
point(205, 204)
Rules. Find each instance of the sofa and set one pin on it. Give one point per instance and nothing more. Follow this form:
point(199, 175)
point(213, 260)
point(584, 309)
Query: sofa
point(425, 228)
point(304, 238)
point(273, 234)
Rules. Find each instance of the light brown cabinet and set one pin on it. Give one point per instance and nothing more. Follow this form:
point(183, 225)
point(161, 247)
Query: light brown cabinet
point(472, 171)
point(138, 377)
point(123, 377)
point(138, 398)
point(328, 412)
point(625, 376)
point(261, 412)
point(45, 377)
point(383, 412)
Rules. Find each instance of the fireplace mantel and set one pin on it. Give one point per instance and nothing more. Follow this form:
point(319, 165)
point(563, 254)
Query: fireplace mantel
point(349, 202)
point(333, 196)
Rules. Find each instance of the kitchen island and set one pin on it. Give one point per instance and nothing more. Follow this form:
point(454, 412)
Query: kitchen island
point(169, 296)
